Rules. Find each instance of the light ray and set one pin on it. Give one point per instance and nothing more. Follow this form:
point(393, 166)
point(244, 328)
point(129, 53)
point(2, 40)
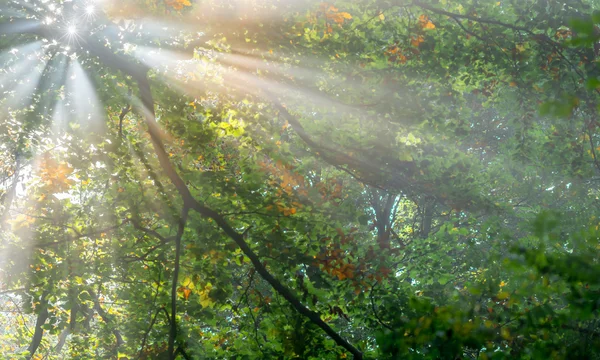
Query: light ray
point(81, 92)
point(18, 26)
point(251, 74)
point(160, 59)
point(18, 81)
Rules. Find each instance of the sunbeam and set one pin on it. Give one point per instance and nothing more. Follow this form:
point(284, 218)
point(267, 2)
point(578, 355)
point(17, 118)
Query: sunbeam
point(81, 94)
point(207, 179)
point(19, 80)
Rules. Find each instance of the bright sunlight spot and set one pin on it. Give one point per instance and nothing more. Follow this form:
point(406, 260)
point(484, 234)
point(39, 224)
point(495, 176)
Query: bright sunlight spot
point(72, 29)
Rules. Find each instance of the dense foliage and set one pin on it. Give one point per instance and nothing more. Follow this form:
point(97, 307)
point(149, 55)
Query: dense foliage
point(255, 179)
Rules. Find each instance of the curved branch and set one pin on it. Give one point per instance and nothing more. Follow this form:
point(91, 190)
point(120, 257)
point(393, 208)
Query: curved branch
point(374, 309)
point(472, 18)
point(193, 204)
point(183, 353)
point(106, 317)
point(139, 73)
point(338, 159)
point(39, 331)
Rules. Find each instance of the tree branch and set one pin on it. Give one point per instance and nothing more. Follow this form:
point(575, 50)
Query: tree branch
point(472, 18)
point(40, 321)
point(193, 204)
point(150, 329)
point(173, 331)
point(106, 317)
point(139, 73)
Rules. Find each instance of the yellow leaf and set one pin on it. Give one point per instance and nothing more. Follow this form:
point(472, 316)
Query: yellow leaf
point(502, 295)
point(205, 299)
point(187, 282)
point(21, 221)
point(381, 17)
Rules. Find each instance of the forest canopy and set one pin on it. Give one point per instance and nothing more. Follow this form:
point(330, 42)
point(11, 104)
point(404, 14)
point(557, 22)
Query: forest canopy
point(280, 179)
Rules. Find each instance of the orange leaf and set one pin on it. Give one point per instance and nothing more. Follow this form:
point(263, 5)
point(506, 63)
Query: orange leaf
point(425, 22)
point(186, 293)
point(417, 41)
point(178, 4)
point(185, 290)
point(429, 25)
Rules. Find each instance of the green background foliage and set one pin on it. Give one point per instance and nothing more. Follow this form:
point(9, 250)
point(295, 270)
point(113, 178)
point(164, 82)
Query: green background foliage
point(300, 180)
